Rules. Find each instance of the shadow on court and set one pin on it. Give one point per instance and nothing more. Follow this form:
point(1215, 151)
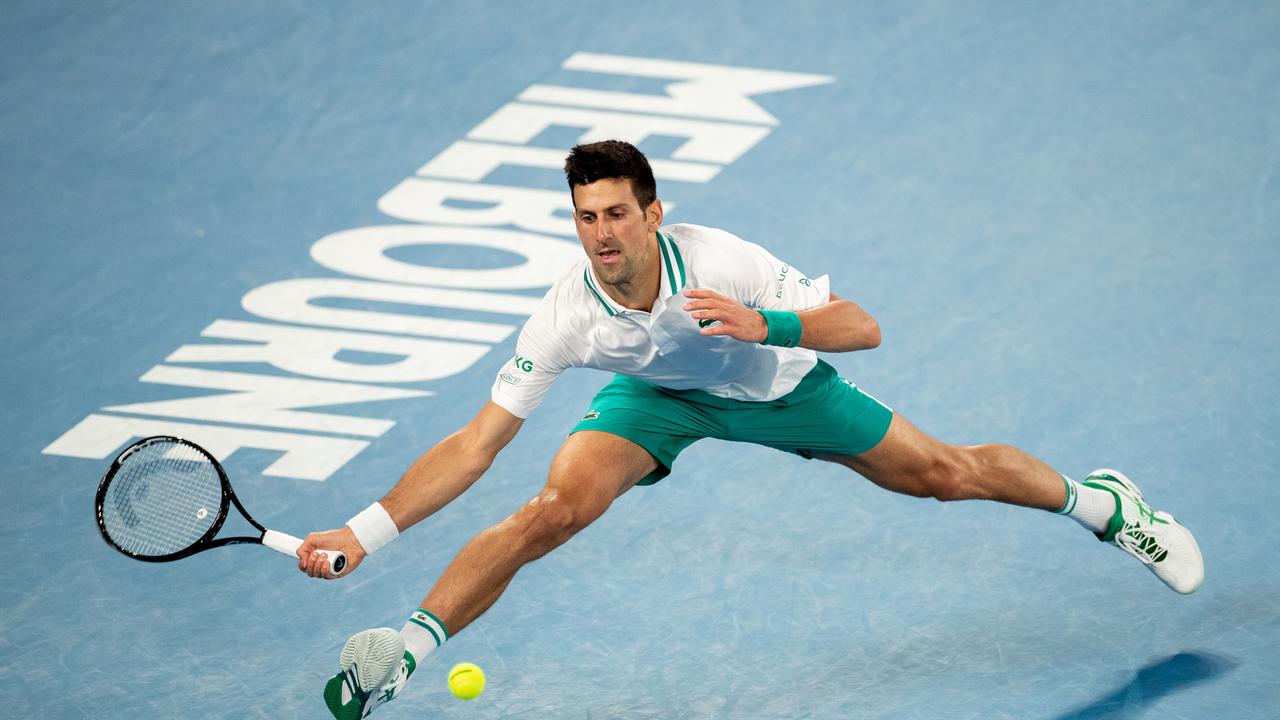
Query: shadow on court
point(1160, 678)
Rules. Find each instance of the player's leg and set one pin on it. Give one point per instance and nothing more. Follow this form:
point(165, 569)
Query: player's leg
point(911, 462)
point(588, 473)
point(828, 417)
point(590, 470)
point(831, 418)
point(908, 461)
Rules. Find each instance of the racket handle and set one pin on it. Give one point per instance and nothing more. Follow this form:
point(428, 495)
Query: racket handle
point(288, 545)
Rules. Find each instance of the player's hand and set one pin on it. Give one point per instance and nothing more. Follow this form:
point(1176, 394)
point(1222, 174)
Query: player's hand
point(736, 320)
point(313, 563)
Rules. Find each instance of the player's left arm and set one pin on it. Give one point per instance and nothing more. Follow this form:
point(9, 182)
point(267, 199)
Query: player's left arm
point(836, 326)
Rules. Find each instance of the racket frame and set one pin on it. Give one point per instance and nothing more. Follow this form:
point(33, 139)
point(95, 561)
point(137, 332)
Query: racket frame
point(204, 542)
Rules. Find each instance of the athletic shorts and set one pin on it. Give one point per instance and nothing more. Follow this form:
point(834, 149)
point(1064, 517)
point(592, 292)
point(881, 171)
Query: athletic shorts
point(825, 414)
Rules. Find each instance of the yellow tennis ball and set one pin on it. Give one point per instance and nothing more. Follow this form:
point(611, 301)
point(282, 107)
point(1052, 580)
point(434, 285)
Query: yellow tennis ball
point(466, 681)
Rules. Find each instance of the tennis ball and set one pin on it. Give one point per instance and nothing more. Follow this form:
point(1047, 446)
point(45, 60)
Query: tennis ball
point(466, 681)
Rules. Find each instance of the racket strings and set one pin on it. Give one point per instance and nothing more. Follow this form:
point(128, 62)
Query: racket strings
point(162, 499)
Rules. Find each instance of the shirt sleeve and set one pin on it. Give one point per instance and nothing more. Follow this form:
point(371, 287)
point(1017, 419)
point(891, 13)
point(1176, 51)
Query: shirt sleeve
point(540, 357)
point(763, 282)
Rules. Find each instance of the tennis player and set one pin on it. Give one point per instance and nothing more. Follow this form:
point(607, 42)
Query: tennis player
point(710, 336)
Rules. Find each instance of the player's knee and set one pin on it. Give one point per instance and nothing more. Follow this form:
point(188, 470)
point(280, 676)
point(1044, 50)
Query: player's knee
point(950, 477)
point(549, 520)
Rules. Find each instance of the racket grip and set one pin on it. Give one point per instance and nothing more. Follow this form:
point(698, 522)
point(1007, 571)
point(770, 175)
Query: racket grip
point(288, 545)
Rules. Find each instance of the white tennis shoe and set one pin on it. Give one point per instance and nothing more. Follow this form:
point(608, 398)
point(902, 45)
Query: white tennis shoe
point(374, 667)
point(1157, 540)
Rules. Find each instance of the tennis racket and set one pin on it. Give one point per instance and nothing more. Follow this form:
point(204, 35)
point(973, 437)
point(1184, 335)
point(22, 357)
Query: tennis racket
point(164, 498)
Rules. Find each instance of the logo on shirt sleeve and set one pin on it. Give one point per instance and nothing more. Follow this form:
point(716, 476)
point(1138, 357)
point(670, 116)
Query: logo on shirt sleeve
point(781, 280)
point(523, 363)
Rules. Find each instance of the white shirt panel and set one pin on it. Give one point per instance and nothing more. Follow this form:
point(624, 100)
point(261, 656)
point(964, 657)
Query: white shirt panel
point(578, 325)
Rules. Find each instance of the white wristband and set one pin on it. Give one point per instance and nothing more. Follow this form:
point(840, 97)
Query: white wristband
point(373, 527)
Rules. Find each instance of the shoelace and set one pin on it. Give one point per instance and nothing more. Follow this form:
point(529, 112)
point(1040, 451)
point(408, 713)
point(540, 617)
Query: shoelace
point(1145, 510)
point(390, 689)
point(1141, 544)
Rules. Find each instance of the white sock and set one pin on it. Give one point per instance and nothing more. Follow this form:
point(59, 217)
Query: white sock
point(423, 633)
point(1088, 506)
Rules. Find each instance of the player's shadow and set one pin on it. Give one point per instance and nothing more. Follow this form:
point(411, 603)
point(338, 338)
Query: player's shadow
point(1160, 678)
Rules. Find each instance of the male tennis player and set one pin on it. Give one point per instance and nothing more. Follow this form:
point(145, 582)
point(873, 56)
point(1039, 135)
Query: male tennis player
point(710, 336)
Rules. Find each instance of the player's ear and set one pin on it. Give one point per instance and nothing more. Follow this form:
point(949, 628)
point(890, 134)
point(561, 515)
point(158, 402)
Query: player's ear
point(653, 215)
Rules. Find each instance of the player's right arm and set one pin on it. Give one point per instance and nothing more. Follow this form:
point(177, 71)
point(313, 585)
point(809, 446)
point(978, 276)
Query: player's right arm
point(450, 467)
point(437, 477)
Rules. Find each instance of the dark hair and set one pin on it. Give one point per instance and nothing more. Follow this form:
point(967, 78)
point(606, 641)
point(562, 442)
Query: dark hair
point(612, 159)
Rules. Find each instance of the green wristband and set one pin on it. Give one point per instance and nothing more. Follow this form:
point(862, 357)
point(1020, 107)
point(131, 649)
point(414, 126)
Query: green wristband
point(784, 328)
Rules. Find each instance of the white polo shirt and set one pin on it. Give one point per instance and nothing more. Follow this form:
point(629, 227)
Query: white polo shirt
point(579, 325)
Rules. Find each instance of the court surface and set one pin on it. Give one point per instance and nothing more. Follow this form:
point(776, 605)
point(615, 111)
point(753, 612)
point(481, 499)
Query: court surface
point(1064, 216)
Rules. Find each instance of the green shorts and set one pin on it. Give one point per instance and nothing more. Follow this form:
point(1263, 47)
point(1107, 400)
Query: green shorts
point(824, 414)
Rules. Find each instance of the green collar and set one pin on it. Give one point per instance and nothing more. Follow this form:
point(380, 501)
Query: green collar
point(670, 251)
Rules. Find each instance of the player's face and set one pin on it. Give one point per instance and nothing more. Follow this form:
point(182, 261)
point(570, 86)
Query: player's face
point(617, 234)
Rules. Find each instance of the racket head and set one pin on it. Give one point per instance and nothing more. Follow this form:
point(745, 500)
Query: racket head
point(163, 498)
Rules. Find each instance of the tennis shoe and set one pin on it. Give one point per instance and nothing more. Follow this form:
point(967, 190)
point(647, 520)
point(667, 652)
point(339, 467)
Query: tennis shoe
point(374, 669)
point(1153, 537)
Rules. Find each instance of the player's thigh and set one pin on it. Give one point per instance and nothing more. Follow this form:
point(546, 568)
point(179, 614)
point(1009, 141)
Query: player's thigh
point(592, 468)
point(906, 460)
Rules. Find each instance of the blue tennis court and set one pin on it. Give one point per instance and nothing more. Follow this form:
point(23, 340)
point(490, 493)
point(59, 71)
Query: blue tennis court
point(306, 234)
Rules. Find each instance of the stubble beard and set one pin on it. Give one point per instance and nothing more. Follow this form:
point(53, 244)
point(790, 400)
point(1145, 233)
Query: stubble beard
point(618, 277)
